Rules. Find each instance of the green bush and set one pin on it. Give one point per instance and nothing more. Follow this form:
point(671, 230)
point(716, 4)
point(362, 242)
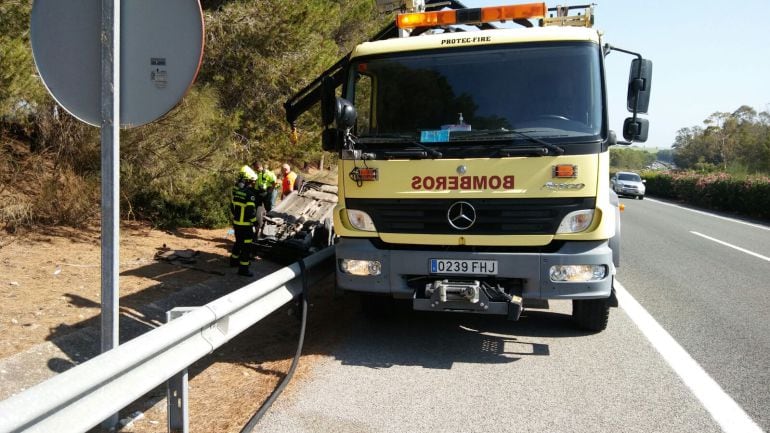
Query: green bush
point(719, 191)
point(201, 205)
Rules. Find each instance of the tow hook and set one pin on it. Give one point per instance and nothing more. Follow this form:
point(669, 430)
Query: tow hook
point(515, 307)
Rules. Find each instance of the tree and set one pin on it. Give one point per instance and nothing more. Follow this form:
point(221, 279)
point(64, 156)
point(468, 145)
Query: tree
point(21, 93)
point(178, 170)
point(630, 159)
point(665, 155)
point(259, 53)
point(737, 142)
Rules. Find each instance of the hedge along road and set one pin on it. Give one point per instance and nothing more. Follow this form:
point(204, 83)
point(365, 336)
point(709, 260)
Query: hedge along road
point(456, 373)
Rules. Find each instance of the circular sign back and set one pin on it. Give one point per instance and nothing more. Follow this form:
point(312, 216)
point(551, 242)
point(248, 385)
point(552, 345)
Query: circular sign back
point(161, 48)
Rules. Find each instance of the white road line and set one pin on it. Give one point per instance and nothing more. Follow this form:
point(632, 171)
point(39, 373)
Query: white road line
point(757, 226)
point(743, 250)
point(725, 411)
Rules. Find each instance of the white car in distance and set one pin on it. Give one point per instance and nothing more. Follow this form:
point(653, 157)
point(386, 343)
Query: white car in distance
point(628, 184)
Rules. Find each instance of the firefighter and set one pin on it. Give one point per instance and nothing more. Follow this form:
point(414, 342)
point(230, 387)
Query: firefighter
point(244, 211)
point(265, 185)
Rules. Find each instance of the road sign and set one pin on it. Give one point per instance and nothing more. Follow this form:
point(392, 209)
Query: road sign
point(161, 51)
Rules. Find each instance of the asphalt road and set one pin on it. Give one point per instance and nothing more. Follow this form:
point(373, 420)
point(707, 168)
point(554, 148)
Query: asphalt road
point(417, 372)
point(712, 298)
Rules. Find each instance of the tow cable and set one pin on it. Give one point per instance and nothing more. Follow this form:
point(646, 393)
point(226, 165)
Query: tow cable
point(249, 427)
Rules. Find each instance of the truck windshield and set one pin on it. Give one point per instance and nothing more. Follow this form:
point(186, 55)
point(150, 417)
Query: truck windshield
point(550, 91)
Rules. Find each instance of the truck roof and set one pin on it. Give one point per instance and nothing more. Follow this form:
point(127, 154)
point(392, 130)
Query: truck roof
point(477, 38)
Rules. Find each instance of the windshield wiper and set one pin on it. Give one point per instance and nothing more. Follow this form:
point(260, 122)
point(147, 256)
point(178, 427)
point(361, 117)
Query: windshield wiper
point(524, 151)
point(401, 154)
point(545, 149)
point(430, 150)
point(552, 147)
point(404, 140)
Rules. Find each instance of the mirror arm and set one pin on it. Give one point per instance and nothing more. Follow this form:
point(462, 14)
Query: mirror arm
point(638, 82)
point(637, 87)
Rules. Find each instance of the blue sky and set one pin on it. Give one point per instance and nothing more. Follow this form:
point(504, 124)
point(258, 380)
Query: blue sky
point(707, 56)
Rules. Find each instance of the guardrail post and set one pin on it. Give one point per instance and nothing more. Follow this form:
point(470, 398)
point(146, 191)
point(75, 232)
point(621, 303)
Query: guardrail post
point(176, 388)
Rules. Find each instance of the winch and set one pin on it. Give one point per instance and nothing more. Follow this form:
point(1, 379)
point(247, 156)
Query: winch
point(471, 296)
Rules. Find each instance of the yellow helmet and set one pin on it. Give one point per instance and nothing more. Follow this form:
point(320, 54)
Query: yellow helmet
point(247, 173)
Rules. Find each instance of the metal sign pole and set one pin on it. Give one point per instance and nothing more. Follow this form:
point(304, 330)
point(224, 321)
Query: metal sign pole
point(163, 49)
point(110, 138)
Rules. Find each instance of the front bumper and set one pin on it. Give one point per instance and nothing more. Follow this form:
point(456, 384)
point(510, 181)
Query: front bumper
point(630, 191)
point(530, 269)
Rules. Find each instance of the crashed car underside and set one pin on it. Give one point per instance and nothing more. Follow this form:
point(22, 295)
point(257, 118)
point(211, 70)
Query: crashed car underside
point(299, 225)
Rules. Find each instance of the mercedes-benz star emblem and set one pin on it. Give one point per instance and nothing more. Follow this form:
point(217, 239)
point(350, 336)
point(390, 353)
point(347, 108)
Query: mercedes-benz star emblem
point(461, 215)
point(461, 170)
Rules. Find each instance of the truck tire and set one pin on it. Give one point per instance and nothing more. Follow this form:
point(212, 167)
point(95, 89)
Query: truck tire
point(591, 314)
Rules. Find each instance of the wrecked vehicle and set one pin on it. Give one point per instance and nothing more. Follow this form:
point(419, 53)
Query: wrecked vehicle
point(299, 225)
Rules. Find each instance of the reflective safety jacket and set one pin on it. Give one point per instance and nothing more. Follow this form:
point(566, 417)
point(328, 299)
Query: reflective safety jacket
point(243, 206)
point(265, 179)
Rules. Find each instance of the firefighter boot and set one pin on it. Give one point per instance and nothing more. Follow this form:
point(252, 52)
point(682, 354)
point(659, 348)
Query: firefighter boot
point(243, 270)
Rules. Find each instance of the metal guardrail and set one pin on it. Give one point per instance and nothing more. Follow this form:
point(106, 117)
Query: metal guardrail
point(84, 396)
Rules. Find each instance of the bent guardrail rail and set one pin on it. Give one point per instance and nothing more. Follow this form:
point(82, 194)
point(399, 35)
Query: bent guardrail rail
point(84, 396)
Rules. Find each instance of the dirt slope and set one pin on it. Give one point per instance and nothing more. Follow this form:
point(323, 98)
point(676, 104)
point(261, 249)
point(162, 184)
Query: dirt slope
point(50, 292)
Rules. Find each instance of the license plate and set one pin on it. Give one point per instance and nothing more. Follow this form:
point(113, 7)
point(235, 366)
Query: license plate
point(453, 266)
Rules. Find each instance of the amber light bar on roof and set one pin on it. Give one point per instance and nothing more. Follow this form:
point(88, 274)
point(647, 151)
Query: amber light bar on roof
point(471, 16)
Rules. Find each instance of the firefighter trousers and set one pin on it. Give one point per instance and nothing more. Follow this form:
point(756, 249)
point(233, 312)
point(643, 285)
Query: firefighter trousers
point(242, 250)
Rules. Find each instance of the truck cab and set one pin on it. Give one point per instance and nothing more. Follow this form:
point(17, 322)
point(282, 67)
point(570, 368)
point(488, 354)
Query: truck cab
point(474, 163)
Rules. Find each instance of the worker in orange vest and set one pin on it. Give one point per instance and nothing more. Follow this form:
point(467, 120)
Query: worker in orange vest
point(289, 177)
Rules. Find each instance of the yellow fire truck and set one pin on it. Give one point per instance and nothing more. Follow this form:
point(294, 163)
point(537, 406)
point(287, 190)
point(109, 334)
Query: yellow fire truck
point(474, 163)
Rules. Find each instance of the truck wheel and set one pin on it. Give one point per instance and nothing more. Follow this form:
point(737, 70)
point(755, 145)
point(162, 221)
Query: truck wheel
point(591, 314)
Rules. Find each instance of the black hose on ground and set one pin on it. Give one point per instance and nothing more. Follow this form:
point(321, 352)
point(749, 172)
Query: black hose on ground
point(249, 427)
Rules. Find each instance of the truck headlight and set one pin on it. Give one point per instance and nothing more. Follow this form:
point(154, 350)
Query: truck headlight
point(576, 221)
point(577, 273)
point(360, 267)
point(361, 220)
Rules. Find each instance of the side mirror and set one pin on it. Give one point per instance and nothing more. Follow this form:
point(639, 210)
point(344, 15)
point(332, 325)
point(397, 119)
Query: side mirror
point(639, 85)
point(636, 130)
point(644, 180)
point(344, 114)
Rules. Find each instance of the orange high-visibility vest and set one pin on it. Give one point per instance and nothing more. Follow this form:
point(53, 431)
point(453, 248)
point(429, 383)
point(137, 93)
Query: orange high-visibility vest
point(288, 183)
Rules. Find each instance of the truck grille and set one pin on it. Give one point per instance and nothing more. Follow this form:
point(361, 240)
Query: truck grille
point(493, 216)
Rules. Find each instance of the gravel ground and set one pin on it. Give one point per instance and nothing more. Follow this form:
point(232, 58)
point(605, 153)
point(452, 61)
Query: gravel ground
point(50, 294)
